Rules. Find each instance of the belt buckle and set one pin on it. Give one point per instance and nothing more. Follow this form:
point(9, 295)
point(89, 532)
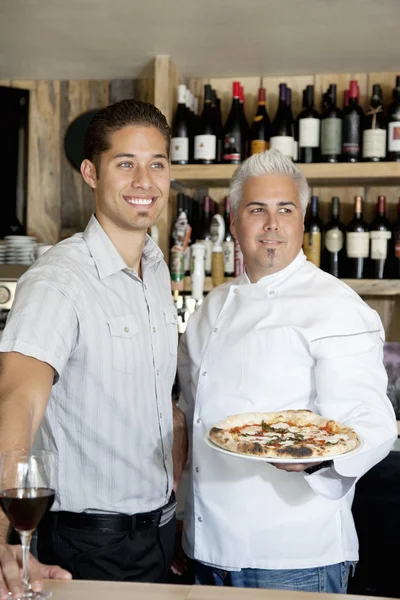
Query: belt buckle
point(147, 521)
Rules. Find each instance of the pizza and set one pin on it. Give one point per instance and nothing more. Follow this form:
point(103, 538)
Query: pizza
point(296, 434)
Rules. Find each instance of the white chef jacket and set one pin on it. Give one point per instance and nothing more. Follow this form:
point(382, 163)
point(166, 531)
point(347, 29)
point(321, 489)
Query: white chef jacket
point(296, 339)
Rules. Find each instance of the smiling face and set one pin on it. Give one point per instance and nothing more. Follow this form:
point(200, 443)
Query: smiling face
point(132, 185)
point(269, 224)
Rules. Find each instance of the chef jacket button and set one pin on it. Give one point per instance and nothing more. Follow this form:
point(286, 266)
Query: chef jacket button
point(215, 329)
point(204, 373)
point(200, 520)
point(126, 329)
point(272, 292)
point(197, 470)
point(198, 421)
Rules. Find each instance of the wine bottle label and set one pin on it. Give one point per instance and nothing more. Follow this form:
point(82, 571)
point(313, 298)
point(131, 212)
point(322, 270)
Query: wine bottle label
point(334, 240)
point(331, 137)
point(177, 264)
point(186, 260)
point(357, 244)
point(179, 149)
point(309, 133)
point(374, 143)
point(351, 134)
point(217, 270)
point(229, 257)
point(283, 143)
point(379, 242)
point(312, 247)
point(205, 147)
point(295, 150)
point(231, 148)
point(394, 136)
point(208, 255)
point(257, 146)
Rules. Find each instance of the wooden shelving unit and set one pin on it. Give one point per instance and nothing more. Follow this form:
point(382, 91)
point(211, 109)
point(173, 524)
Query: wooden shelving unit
point(337, 174)
point(363, 287)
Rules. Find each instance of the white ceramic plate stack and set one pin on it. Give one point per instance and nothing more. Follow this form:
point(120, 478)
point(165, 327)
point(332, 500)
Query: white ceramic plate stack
point(3, 249)
point(20, 249)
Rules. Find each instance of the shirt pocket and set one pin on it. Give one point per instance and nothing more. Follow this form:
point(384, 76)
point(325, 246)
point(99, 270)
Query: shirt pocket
point(171, 324)
point(124, 335)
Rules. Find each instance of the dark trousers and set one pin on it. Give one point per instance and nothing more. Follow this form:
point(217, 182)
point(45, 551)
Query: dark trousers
point(143, 554)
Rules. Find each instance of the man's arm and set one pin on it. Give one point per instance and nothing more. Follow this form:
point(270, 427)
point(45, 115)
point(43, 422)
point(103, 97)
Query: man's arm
point(180, 445)
point(25, 386)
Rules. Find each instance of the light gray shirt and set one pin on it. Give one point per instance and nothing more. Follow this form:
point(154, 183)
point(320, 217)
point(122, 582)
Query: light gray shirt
point(111, 338)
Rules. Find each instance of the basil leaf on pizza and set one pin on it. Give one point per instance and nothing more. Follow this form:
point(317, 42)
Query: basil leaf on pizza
point(286, 434)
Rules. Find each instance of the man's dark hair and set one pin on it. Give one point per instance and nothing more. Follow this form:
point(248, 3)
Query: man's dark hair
point(117, 116)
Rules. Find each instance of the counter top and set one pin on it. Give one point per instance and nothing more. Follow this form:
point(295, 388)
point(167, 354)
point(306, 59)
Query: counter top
point(102, 590)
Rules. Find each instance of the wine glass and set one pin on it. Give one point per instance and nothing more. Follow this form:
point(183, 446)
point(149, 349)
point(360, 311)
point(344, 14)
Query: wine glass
point(27, 490)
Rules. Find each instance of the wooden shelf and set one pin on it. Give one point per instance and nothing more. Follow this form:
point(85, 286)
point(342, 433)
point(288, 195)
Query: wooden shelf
point(384, 173)
point(363, 287)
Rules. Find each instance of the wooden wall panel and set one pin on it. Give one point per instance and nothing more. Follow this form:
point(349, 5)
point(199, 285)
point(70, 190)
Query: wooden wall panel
point(44, 194)
point(77, 97)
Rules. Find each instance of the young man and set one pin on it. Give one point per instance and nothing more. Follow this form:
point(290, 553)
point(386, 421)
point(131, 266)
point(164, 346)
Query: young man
point(284, 335)
point(88, 362)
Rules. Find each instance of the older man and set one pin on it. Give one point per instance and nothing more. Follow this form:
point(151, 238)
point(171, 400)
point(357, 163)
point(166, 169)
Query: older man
point(284, 335)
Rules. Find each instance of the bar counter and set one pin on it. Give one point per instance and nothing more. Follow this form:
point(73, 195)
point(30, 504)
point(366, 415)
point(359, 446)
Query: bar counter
point(102, 590)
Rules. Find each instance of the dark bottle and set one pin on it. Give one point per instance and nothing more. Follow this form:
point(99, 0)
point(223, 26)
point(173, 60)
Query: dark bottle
point(293, 125)
point(180, 207)
point(309, 128)
point(282, 131)
point(351, 126)
point(357, 242)
point(188, 208)
point(233, 132)
point(181, 131)
point(205, 142)
point(331, 128)
point(219, 130)
point(205, 235)
point(396, 245)
point(394, 124)
point(228, 244)
point(374, 134)
point(313, 228)
point(345, 98)
point(334, 255)
point(380, 234)
point(260, 130)
point(244, 125)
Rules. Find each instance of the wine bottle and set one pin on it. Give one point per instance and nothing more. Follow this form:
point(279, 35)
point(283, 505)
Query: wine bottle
point(396, 245)
point(309, 128)
point(345, 98)
point(312, 234)
point(189, 213)
point(394, 124)
point(331, 128)
point(205, 236)
point(351, 126)
point(334, 256)
point(380, 234)
point(282, 137)
point(205, 142)
point(219, 130)
point(233, 134)
point(260, 130)
point(293, 125)
point(244, 125)
point(374, 134)
point(239, 259)
point(180, 131)
point(228, 243)
point(357, 242)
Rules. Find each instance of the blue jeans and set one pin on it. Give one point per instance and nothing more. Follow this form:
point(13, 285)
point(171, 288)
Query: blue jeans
point(332, 579)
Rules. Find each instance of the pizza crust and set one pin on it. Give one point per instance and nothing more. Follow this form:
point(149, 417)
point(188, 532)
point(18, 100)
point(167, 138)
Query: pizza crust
point(302, 434)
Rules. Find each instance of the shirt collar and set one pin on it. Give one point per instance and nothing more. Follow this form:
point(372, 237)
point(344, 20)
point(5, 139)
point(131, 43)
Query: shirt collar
point(280, 276)
point(107, 258)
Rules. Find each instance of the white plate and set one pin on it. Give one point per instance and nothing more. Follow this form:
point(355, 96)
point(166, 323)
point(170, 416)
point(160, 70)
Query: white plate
point(314, 459)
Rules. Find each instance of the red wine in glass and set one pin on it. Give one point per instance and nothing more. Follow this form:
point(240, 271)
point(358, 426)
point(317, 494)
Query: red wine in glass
point(25, 507)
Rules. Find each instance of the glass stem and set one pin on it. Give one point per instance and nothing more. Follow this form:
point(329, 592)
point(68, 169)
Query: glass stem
point(26, 537)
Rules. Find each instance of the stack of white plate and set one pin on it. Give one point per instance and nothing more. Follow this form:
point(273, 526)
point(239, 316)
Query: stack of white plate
point(20, 249)
point(3, 249)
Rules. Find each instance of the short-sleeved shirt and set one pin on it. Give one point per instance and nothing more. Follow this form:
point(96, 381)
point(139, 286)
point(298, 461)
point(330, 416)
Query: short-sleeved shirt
point(111, 338)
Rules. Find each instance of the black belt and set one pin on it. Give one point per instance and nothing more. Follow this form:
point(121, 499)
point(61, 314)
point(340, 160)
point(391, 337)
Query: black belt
point(116, 523)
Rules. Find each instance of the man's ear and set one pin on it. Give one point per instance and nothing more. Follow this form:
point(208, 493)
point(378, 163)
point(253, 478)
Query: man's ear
point(233, 224)
point(88, 171)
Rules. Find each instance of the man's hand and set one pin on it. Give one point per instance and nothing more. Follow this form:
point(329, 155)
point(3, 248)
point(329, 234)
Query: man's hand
point(11, 571)
point(295, 467)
